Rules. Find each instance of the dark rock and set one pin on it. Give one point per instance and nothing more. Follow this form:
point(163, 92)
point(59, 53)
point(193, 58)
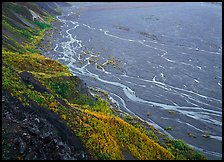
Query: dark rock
point(22, 147)
point(36, 119)
point(8, 116)
point(34, 130)
point(30, 156)
point(15, 121)
point(46, 137)
point(40, 134)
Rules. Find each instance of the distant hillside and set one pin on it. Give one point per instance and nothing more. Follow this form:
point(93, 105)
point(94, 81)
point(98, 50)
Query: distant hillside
point(49, 114)
point(21, 21)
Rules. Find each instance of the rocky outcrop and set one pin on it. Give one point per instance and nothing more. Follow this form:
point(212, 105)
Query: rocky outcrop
point(36, 133)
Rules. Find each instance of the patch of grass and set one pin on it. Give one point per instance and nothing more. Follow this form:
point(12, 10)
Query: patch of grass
point(102, 106)
point(191, 135)
point(99, 66)
point(93, 60)
point(16, 31)
point(172, 112)
point(168, 128)
point(206, 135)
point(113, 133)
point(33, 50)
point(111, 61)
point(184, 152)
point(149, 132)
point(128, 117)
point(42, 25)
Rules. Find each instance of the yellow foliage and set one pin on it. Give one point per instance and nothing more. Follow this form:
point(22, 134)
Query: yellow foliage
point(108, 134)
point(54, 110)
point(53, 104)
point(63, 116)
point(36, 63)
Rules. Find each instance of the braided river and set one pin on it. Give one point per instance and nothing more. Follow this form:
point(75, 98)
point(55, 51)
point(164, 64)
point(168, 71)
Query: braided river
point(159, 58)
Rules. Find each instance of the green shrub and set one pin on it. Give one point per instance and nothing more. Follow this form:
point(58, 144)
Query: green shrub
point(181, 150)
point(42, 25)
point(168, 128)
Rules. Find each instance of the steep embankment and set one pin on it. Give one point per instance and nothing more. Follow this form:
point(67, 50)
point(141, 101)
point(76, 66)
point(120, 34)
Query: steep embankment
point(49, 114)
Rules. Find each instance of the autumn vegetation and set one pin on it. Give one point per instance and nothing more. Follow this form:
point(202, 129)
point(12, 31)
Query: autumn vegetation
point(53, 87)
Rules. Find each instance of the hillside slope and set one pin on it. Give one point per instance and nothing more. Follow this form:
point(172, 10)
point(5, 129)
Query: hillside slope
point(49, 114)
